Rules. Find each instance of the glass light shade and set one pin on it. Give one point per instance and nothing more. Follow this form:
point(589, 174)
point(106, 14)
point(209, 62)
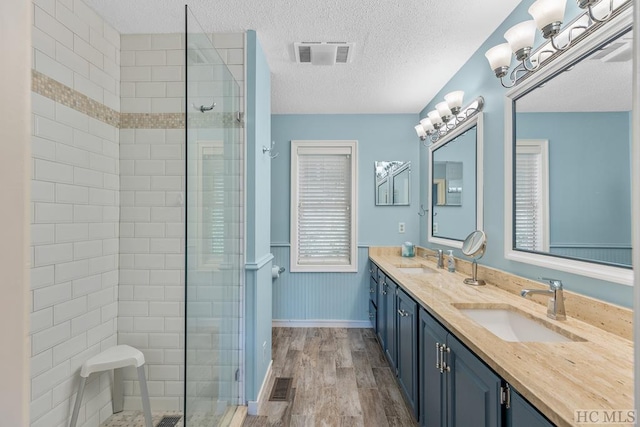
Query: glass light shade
point(454, 99)
point(427, 125)
point(521, 36)
point(443, 109)
point(435, 118)
point(499, 56)
point(546, 12)
point(420, 131)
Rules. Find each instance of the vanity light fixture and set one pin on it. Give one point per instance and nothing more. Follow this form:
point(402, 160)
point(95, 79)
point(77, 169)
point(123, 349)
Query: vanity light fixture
point(447, 116)
point(547, 17)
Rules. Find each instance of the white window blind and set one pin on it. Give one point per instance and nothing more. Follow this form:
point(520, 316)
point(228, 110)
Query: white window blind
point(323, 228)
point(531, 207)
point(210, 199)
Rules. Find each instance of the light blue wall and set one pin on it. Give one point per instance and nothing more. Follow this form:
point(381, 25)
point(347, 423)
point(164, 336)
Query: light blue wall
point(258, 256)
point(590, 198)
point(341, 296)
point(475, 78)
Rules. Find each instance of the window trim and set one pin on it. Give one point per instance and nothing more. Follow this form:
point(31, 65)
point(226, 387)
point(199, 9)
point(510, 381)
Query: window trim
point(331, 146)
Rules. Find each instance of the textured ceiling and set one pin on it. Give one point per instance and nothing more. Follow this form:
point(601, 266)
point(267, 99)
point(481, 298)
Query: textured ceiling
point(406, 50)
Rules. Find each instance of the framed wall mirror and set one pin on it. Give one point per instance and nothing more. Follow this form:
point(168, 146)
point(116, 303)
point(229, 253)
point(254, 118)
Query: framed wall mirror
point(567, 159)
point(455, 184)
point(392, 181)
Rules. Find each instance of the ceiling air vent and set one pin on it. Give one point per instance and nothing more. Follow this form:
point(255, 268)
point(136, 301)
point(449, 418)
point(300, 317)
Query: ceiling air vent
point(323, 53)
point(617, 51)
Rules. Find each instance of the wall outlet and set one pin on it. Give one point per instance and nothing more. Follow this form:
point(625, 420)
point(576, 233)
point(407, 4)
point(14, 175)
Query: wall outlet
point(435, 227)
point(401, 227)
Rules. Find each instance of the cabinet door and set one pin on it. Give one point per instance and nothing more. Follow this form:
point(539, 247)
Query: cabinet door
point(407, 321)
point(432, 383)
point(522, 413)
point(381, 320)
point(372, 314)
point(373, 291)
point(373, 270)
point(390, 349)
point(473, 389)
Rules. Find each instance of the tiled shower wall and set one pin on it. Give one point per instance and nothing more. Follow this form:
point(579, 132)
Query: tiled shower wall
point(152, 158)
point(82, 200)
point(75, 207)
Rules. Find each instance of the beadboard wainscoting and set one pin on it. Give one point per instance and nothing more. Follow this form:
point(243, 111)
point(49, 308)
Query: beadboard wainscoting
point(320, 299)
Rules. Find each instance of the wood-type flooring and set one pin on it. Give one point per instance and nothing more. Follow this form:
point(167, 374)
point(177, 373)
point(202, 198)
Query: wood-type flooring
point(340, 378)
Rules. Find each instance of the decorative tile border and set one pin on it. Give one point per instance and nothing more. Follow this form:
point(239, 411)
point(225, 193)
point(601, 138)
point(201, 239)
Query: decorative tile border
point(58, 92)
point(151, 121)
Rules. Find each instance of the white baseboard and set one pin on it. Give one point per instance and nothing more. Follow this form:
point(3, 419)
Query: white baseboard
point(252, 405)
point(320, 323)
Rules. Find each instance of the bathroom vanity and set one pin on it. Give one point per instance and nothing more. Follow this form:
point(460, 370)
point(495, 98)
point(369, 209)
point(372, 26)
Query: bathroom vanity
point(455, 371)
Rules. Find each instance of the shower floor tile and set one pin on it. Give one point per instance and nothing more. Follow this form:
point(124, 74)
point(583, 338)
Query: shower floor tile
point(136, 419)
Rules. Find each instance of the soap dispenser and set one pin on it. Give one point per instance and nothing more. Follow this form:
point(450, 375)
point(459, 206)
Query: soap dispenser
point(451, 262)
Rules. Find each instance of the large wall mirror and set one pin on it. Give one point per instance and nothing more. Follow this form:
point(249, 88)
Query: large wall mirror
point(568, 160)
point(455, 185)
point(392, 179)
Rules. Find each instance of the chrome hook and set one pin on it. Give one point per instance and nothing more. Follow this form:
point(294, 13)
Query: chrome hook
point(423, 211)
point(270, 150)
point(203, 108)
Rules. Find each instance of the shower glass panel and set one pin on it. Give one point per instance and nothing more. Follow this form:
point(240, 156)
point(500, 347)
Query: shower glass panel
point(214, 233)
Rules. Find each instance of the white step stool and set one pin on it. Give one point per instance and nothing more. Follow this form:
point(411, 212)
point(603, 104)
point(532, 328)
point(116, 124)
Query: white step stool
point(115, 358)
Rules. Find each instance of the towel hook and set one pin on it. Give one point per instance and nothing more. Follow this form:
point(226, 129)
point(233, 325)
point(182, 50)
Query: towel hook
point(204, 108)
point(423, 211)
point(270, 150)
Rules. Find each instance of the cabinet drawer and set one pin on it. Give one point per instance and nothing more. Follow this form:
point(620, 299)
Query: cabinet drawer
point(373, 270)
point(373, 315)
point(373, 291)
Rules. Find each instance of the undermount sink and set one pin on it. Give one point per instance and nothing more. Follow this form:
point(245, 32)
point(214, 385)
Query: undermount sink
point(513, 325)
point(416, 270)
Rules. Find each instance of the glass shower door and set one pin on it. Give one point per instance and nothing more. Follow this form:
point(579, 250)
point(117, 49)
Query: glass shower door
point(214, 233)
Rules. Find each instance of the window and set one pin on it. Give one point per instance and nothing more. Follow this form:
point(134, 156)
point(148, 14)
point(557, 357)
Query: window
point(323, 206)
point(531, 204)
point(210, 227)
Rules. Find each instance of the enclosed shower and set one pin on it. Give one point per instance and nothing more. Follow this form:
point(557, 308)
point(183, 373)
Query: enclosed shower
point(214, 233)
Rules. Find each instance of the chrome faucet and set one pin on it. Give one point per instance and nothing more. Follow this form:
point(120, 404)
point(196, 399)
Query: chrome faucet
point(555, 306)
point(439, 255)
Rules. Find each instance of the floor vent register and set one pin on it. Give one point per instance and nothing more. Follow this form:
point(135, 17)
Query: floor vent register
point(281, 389)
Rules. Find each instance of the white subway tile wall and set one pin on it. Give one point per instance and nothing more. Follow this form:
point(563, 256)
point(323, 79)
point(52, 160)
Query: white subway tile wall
point(108, 217)
point(152, 223)
point(75, 200)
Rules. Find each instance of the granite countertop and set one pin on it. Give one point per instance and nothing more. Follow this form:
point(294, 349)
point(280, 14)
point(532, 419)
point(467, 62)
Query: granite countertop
point(593, 373)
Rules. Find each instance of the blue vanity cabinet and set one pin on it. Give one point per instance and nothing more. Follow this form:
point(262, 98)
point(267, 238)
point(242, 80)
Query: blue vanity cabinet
point(372, 314)
point(407, 341)
point(381, 315)
point(473, 389)
point(456, 388)
point(373, 291)
point(390, 324)
point(522, 413)
point(432, 382)
point(373, 295)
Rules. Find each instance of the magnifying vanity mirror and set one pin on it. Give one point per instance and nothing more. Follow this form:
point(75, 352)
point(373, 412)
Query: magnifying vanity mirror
point(392, 180)
point(568, 146)
point(474, 246)
point(455, 184)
